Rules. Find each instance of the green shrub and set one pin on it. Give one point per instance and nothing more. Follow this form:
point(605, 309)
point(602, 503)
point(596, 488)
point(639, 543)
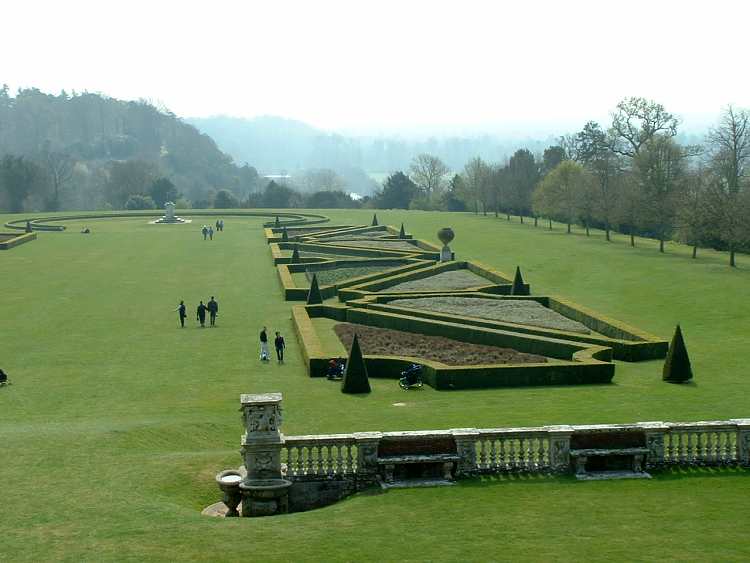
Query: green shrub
point(677, 365)
point(355, 375)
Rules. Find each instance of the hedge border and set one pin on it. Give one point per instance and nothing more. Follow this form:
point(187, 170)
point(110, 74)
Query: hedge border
point(16, 240)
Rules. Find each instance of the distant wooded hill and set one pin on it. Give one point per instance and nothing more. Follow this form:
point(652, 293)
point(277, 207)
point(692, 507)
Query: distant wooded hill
point(59, 151)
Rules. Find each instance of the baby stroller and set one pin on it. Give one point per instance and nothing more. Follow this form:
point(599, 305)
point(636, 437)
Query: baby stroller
point(335, 369)
point(411, 377)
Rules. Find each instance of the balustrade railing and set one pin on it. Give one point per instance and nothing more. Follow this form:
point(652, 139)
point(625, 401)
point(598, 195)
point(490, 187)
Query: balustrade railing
point(523, 449)
point(320, 456)
point(703, 443)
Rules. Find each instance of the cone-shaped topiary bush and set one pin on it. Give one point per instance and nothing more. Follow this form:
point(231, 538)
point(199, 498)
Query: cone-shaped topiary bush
point(518, 285)
point(313, 296)
point(402, 232)
point(295, 255)
point(677, 365)
point(278, 223)
point(355, 375)
point(284, 235)
point(374, 219)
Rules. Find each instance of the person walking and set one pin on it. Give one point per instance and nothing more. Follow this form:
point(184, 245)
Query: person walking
point(201, 312)
point(204, 230)
point(218, 225)
point(211, 233)
point(182, 313)
point(213, 310)
point(221, 225)
point(263, 345)
point(278, 343)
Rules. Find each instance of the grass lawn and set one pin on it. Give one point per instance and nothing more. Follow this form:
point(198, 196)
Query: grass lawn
point(118, 420)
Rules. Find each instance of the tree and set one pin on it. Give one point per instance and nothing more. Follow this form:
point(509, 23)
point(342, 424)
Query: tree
point(593, 150)
point(693, 219)
point(328, 199)
point(453, 196)
point(630, 205)
point(139, 201)
point(279, 196)
point(523, 176)
point(60, 170)
point(553, 155)
point(397, 193)
point(355, 378)
point(225, 200)
point(128, 178)
point(729, 144)
point(163, 190)
point(660, 169)
point(428, 172)
point(636, 121)
point(321, 179)
point(476, 182)
point(559, 191)
point(19, 179)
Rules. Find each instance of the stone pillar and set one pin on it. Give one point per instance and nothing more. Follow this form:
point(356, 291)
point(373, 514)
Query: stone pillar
point(367, 457)
point(262, 440)
point(655, 433)
point(743, 440)
point(466, 446)
point(169, 211)
point(446, 254)
point(559, 447)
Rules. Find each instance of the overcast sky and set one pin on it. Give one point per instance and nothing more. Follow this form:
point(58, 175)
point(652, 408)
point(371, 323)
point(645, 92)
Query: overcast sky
point(389, 65)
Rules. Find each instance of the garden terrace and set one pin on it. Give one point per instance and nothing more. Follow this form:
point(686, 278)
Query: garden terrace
point(568, 362)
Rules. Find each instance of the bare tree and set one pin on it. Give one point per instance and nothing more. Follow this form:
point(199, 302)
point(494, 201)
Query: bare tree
point(60, 169)
point(636, 121)
point(429, 173)
point(476, 176)
point(729, 144)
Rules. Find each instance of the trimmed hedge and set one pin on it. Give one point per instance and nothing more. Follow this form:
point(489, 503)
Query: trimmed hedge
point(11, 240)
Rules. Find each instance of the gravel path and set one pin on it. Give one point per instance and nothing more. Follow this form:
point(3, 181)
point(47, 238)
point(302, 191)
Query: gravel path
point(330, 276)
point(455, 279)
point(510, 310)
point(382, 244)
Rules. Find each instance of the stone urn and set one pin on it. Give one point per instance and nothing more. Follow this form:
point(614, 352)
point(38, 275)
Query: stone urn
point(446, 235)
point(229, 482)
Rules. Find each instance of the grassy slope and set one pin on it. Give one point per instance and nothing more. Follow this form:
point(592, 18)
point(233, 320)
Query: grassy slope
point(117, 420)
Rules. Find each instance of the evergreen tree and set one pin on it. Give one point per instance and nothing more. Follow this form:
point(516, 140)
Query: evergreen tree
point(677, 365)
point(402, 232)
point(519, 287)
point(295, 255)
point(284, 235)
point(355, 375)
point(277, 223)
point(313, 296)
point(375, 220)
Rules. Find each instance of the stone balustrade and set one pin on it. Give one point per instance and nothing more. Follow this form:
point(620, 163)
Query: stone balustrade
point(319, 456)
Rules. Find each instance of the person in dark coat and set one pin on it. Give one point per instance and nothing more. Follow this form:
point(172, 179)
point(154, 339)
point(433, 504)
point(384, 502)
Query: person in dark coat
point(204, 231)
point(202, 313)
point(263, 345)
point(213, 310)
point(278, 343)
point(182, 312)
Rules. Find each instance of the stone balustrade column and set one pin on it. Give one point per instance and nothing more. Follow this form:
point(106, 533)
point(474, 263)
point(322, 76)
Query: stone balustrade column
point(367, 456)
point(466, 446)
point(262, 440)
point(655, 433)
point(559, 447)
point(743, 440)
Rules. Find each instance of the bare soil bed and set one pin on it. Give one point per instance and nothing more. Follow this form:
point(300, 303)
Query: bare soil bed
point(383, 341)
point(444, 281)
point(364, 236)
point(519, 311)
point(332, 276)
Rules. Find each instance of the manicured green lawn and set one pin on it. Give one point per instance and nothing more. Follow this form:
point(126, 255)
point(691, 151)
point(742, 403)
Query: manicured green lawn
point(117, 419)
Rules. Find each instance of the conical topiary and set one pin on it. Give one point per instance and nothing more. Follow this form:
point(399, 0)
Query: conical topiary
point(313, 296)
point(295, 255)
point(519, 288)
point(277, 224)
point(355, 375)
point(677, 365)
point(402, 232)
point(284, 235)
point(374, 219)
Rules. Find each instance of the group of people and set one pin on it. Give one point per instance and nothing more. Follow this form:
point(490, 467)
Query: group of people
point(278, 344)
point(208, 230)
point(212, 308)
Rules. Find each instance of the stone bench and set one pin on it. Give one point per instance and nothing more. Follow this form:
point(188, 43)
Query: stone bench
point(634, 458)
point(448, 462)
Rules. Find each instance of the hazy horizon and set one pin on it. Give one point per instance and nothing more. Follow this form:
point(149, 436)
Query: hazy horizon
point(430, 68)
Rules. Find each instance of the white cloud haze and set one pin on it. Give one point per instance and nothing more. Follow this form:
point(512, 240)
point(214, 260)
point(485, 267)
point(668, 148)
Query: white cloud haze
point(540, 66)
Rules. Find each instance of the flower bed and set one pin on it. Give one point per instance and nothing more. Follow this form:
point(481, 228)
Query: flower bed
point(385, 244)
point(331, 276)
point(382, 341)
point(520, 311)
